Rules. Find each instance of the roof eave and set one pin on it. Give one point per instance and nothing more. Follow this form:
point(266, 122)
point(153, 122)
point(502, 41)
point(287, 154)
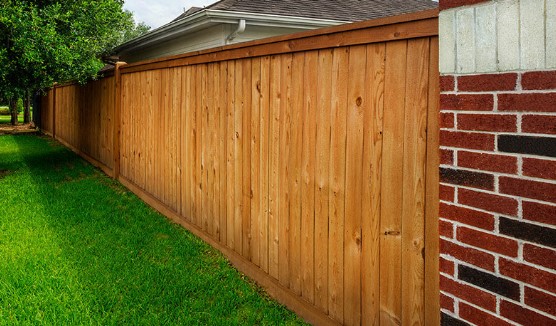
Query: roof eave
point(207, 17)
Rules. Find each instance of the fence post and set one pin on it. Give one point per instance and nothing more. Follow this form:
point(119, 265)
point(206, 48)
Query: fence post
point(54, 111)
point(117, 119)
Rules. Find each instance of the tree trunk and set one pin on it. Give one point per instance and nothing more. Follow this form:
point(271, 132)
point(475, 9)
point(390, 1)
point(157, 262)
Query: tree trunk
point(13, 111)
point(26, 108)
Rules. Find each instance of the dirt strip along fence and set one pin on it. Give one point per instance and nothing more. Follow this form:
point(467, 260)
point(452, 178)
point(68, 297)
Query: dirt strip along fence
point(310, 160)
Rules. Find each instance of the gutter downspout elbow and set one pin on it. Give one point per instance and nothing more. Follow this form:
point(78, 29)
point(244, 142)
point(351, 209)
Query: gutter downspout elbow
point(240, 29)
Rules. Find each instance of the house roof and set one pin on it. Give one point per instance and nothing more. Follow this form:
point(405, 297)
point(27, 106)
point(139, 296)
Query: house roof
point(341, 10)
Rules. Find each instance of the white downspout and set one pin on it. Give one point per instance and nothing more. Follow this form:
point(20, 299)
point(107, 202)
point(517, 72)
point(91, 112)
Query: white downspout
point(240, 29)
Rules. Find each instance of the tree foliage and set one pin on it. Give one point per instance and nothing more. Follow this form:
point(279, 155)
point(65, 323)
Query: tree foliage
point(47, 41)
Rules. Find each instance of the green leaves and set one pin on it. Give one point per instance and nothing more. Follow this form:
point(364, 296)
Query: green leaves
point(47, 41)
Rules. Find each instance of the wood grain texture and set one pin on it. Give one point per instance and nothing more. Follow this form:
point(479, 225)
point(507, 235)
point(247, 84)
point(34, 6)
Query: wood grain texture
point(310, 160)
point(392, 183)
point(371, 192)
point(337, 177)
point(432, 250)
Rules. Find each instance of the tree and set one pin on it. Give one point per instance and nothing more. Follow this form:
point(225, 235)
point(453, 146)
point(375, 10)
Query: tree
point(47, 41)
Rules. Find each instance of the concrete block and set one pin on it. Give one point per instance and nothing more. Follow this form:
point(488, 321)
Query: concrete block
point(465, 42)
point(550, 33)
point(485, 38)
point(532, 34)
point(507, 26)
point(447, 42)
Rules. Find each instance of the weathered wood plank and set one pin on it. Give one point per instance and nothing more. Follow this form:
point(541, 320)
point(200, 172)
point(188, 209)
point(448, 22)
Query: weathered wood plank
point(337, 182)
point(392, 183)
point(372, 169)
point(284, 170)
point(308, 177)
point(413, 218)
point(322, 186)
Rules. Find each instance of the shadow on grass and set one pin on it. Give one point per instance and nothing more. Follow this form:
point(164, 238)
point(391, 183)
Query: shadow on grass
point(86, 250)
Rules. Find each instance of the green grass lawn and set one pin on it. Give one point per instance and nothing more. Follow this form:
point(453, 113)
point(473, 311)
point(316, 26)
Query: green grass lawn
point(6, 119)
point(78, 248)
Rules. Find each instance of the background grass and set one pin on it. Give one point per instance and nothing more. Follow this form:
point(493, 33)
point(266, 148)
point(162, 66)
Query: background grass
point(6, 119)
point(78, 248)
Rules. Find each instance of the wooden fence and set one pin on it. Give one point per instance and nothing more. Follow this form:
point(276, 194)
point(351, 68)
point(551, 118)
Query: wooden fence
point(310, 160)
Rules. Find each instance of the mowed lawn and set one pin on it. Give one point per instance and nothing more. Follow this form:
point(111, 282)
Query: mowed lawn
point(78, 248)
point(6, 119)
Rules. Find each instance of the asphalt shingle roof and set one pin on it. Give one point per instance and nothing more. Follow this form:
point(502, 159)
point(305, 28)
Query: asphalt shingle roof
point(344, 10)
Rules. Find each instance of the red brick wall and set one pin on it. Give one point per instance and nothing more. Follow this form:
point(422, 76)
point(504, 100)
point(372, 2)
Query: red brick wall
point(498, 198)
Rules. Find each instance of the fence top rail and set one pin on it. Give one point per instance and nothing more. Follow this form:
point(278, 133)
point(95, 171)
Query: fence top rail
point(408, 26)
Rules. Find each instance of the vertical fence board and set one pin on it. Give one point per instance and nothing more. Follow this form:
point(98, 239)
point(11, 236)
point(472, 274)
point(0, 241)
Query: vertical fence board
point(230, 148)
point(372, 165)
point(295, 152)
point(274, 181)
point(432, 299)
point(265, 118)
point(337, 182)
point(357, 103)
point(246, 158)
point(322, 187)
point(222, 138)
point(284, 170)
point(414, 182)
point(255, 160)
point(392, 183)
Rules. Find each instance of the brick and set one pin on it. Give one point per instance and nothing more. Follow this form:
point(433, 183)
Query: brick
point(468, 293)
point(539, 80)
point(447, 193)
point(467, 178)
point(479, 317)
point(447, 320)
point(537, 212)
point(486, 83)
point(488, 202)
point(527, 102)
point(467, 102)
point(470, 255)
point(529, 232)
point(447, 83)
point(467, 140)
point(446, 302)
point(538, 168)
point(538, 124)
point(528, 189)
point(490, 282)
point(488, 162)
point(487, 122)
point(447, 266)
point(447, 4)
point(522, 315)
point(540, 256)
point(540, 300)
point(467, 216)
point(446, 120)
point(543, 146)
point(488, 241)
point(446, 156)
point(528, 274)
point(446, 229)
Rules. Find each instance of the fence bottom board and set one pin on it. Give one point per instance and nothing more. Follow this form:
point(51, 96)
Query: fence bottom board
point(108, 171)
point(283, 295)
